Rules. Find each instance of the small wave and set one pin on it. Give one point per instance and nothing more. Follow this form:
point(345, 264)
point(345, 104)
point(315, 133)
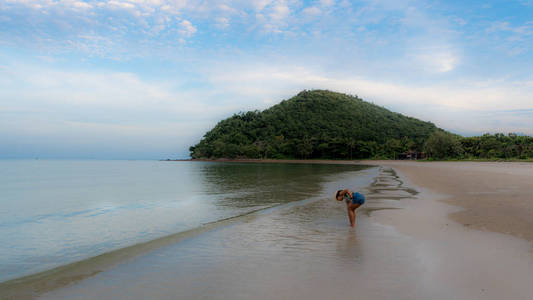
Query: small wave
point(28, 287)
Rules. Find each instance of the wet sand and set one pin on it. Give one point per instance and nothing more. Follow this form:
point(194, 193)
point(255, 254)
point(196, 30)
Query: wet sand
point(403, 247)
point(496, 196)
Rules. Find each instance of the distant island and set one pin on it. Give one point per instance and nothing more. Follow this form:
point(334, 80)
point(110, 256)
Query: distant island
point(321, 124)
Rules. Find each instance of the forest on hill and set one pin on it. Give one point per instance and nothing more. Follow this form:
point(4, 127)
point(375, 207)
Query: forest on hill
point(321, 124)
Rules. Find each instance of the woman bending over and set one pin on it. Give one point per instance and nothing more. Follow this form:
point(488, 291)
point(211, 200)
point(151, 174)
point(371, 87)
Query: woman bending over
point(353, 201)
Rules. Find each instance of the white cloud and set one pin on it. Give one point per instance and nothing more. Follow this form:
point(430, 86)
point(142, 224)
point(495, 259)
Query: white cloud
point(50, 4)
point(311, 10)
point(273, 16)
point(222, 22)
point(120, 4)
point(259, 5)
point(107, 17)
point(515, 33)
point(186, 28)
point(437, 60)
point(280, 11)
point(513, 39)
point(81, 5)
point(142, 7)
point(444, 104)
point(327, 2)
point(94, 90)
point(384, 66)
point(116, 109)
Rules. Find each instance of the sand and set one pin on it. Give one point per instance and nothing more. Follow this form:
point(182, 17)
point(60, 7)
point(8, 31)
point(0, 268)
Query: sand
point(429, 230)
point(496, 196)
point(404, 247)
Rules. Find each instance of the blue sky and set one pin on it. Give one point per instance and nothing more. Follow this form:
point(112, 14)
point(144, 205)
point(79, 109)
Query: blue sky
point(146, 78)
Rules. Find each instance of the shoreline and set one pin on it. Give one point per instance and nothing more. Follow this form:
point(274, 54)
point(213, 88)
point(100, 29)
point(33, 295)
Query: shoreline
point(441, 195)
point(492, 196)
point(280, 161)
point(404, 246)
point(345, 161)
point(486, 204)
point(32, 285)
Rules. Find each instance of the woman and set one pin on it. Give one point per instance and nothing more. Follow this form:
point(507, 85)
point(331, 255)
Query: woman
point(353, 201)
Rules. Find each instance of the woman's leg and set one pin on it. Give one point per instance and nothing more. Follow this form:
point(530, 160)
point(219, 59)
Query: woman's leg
point(351, 212)
point(351, 216)
point(355, 206)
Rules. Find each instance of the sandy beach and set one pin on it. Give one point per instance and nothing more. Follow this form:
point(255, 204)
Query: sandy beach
point(429, 230)
point(495, 196)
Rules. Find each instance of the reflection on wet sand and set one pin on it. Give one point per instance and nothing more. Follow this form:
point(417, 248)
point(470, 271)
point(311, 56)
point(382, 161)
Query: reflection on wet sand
point(384, 192)
point(217, 194)
point(308, 251)
point(302, 251)
point(250, 184)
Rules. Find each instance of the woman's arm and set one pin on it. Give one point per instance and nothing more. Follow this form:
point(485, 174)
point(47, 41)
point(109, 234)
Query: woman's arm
point(348, 192)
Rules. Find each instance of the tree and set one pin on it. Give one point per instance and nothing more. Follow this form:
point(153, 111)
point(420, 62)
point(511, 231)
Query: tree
point(324, 124)
point(351, 144)
point(441, 145)
point(305, 148)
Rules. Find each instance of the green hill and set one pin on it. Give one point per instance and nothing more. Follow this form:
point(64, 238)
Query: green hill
point(315, 124)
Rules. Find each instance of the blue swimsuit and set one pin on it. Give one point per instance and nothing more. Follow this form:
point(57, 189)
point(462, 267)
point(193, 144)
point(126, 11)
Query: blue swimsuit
point(358, 198)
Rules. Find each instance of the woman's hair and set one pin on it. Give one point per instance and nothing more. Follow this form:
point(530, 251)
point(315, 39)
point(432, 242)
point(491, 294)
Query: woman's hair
point(337, 194)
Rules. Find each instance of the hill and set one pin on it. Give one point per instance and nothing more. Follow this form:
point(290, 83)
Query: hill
point(315, 124)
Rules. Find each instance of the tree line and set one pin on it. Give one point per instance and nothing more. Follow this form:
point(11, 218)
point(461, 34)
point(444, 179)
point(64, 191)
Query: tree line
point(322, 124)
point(442, 145)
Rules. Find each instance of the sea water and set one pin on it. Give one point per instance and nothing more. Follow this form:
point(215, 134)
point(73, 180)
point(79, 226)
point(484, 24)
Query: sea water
point(307, 250)
point(55, 212)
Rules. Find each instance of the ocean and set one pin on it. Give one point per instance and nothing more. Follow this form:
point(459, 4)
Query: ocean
point(56, 212)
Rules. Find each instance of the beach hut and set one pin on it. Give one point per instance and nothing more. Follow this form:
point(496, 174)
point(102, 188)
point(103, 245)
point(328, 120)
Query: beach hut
point(411, 155)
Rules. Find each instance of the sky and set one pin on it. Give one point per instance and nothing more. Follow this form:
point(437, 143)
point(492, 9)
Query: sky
point(145, 79)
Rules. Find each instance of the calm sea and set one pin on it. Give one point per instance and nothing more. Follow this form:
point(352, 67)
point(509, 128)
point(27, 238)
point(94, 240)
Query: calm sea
point(54, 212)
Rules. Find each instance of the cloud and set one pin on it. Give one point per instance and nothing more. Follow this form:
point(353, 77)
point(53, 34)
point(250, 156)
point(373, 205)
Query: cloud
point(120, 5)
point(437, 59)
point(80, 5)
point(102, 97)
point(222, 22)
point(409, 56)
point(513, 39)
point(101, 110)
point(523, 30)
point(273, 18)
point(145, 6)
point(327, 2)
point(312, 11)
point(259, 5)
point(153, 24)
point(444, 104)
point(280, 11)
point(121, 110)
point(186, 28)
point(47, 5)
